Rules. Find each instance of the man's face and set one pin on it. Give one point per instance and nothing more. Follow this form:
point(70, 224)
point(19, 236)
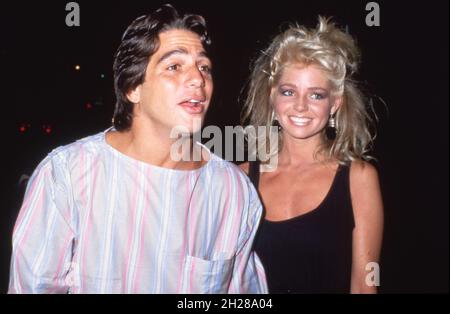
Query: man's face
point(178, 83)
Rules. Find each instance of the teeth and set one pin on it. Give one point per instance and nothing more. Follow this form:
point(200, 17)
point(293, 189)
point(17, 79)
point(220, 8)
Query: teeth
point(298, 120)
point(194, 101)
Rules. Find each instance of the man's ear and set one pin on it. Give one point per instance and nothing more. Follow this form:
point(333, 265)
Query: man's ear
point(134, 95)
point(338, 100)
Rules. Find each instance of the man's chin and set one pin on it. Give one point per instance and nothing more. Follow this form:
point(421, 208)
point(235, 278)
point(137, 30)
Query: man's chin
point(187, 128)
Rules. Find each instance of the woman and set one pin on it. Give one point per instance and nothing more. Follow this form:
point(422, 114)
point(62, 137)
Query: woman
point(323, 223)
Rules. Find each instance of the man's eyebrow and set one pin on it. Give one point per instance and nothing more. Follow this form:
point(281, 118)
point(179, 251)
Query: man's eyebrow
point(203, 54)
point(180, 50)
point(171, 53)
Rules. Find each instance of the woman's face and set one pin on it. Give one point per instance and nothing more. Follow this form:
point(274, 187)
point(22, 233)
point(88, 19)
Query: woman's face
point(303, 101)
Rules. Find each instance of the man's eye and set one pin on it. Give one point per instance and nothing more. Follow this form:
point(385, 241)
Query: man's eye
point(205, 68)
point(174, 67)
point(288, 92)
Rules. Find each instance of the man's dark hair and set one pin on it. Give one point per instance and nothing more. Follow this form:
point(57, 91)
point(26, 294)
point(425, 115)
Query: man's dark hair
point(139, 42)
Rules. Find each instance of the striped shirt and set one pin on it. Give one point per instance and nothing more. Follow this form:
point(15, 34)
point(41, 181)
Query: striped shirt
point(94, 220)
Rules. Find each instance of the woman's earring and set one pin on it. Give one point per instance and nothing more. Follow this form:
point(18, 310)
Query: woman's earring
point(275, 121)
point(330, 130)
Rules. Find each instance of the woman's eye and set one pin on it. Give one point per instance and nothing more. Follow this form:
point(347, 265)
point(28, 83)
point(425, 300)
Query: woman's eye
point(174, 67)
point(317, 96)
point(287, 92)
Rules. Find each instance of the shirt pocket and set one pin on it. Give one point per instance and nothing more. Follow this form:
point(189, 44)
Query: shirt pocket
point(206, 276)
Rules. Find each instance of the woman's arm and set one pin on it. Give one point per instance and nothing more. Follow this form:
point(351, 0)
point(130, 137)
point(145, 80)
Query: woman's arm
point(368, 233)
point(244, 166)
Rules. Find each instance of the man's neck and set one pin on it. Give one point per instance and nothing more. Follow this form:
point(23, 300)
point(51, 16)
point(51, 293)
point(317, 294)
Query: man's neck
point(154, 147)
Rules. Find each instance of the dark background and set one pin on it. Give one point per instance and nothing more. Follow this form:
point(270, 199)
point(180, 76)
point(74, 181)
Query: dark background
point(404, 62)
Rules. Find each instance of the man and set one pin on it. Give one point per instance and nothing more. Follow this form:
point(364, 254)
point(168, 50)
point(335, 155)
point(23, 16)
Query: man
point(114, 213)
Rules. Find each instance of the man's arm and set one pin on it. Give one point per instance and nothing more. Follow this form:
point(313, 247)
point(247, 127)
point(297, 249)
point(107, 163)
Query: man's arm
point(43, 236)
point(248, 272)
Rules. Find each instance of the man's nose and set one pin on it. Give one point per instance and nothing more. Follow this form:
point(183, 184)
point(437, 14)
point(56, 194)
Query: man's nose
point(195, 78)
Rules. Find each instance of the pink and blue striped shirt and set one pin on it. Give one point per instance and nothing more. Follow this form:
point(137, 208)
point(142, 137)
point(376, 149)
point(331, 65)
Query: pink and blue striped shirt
point(94, 220)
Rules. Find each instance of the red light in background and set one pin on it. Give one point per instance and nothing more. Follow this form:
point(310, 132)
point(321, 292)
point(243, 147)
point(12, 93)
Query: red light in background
point(88, 106)
point(47, 128)
point(24, 127)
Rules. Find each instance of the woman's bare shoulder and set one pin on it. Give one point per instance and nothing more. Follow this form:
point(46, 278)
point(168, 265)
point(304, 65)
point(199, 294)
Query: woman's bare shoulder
point(244, 166)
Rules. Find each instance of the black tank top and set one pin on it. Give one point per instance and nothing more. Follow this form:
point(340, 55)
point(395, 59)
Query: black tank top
point(310, 253)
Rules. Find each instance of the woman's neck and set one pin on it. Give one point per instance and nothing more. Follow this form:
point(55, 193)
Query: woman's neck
point(299, 152)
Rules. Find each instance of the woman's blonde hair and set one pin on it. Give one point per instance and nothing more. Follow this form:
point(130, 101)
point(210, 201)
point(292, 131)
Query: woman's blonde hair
point(335, 52)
